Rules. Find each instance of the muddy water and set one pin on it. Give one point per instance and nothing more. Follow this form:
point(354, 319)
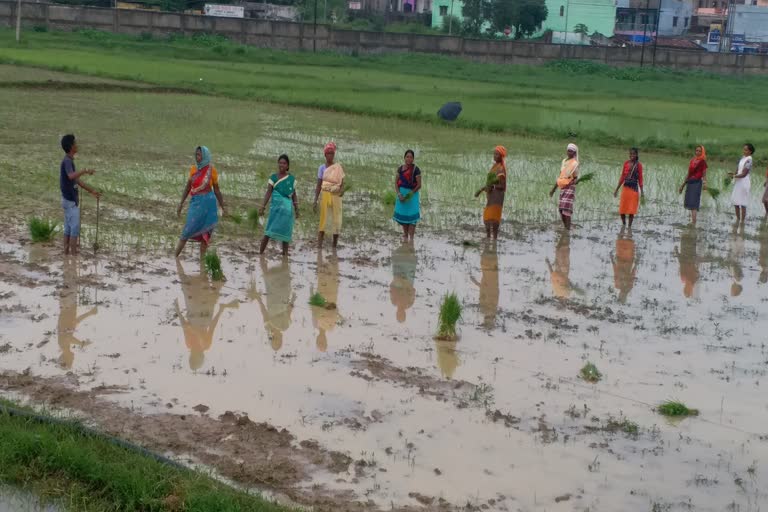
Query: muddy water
point(497, 419)
point(12, 500)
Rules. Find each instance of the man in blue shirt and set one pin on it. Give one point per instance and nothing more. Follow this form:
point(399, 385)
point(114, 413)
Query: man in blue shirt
point(69, 181)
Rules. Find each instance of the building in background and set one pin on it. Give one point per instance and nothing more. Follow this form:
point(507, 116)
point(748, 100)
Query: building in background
point(443, 8)
point(675, 17)
point(747, 26)
point(572, 21)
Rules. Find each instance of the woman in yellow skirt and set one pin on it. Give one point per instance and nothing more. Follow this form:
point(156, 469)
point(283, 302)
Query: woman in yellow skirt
point(329, 190)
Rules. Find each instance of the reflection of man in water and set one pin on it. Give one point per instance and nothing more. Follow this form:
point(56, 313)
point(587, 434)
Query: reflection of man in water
point(68, 319)
point(735, 254)
point(561, 284)
point(402, 292)
point(327, 286)
point(280, 297)
point(489, 284)
point(200, 298)
point(624, 265)
point(689, 260)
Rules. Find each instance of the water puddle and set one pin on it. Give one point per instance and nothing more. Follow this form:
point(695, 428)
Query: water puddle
point(13, 500)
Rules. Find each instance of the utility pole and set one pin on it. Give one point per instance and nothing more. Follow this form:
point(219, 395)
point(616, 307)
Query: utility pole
point(450, 20)
point(565, 33)
point(314, 31)
point(645, 30)
point(18, 22)
point(656, 37)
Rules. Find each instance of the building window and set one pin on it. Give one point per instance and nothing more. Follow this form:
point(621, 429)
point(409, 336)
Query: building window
point(686, 23)
point(644, 19)
point(443, 10)
point(701, 4)
point(674, 21)
point(562, 10)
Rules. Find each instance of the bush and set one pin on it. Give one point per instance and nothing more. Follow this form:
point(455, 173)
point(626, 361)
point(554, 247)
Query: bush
point(452, 22)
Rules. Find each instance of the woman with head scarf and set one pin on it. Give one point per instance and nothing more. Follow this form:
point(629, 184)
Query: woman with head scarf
point(329, 190)
point(284, 210)
point(566, 182)
point(407, 186)
point(203, 215)
point(695, 181)
point(631, 185)
point(495, 189)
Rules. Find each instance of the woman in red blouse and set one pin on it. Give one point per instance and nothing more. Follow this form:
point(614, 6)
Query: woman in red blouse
point(632, 179)
point(695, 182)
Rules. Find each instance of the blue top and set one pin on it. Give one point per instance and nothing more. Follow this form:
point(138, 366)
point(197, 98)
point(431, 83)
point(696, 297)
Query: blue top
point(68, 186)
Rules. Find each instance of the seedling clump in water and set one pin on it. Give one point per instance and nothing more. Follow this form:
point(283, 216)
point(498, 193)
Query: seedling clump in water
point(676, 409)
point(450, 313)
point(590, 373)
point(317, 300)
point(213, 266)
point(41, 230)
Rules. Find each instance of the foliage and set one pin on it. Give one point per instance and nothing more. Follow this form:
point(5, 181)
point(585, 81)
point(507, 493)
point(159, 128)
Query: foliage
point(453, 25)
point(524, 16)
point(236, 218)
point(476, 13)
point(590, 373)
point(213, 265)
point(714, 193)
point(581, 29)
point(450, 314)
point(389, 198)
point(675, 408)
point(317, 300)
point(253, 218)
point(587, 177)
point(41, 230)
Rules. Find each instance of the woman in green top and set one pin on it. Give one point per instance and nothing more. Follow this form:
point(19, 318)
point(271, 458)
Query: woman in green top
point(284, 209)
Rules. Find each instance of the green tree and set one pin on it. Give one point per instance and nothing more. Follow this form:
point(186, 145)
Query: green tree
point(524, 16)
point(476, 13)
point(581, 29)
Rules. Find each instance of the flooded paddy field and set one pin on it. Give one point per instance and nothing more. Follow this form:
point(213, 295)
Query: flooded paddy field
point(357, 406)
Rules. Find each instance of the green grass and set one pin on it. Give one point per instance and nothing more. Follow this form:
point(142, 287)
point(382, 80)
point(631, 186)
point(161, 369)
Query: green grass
point(450, 314)
point(213, 265)
point(675, 408)
point(41, 230)
point(86, 473)
point(622, 424)
point(590, 373)
point(317, 300)
point(253, 218)
point(652, 109)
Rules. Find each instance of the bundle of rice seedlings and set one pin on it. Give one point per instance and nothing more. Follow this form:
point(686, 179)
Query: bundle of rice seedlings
point(675, 408)
point(253, 218)
point(213, 266)
point(642, 200)
point(714, 193)
point(727, 180)
point(389, 198)
point(587, 177)
point(450, 314)
point(408, 196)
point(41, 230)
point(590, 373)
point(347, 186)
point(317, 300)
point(236, 218)
point(491, 179)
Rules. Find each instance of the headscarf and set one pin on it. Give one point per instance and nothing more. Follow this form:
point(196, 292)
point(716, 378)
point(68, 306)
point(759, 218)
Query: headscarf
point(503, 152)
point(206, 157)
point(573, 147)
point(703, 153)
point(331, 146)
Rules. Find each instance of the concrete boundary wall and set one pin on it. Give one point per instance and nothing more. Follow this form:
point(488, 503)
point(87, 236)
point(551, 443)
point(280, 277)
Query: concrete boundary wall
point(298, 36)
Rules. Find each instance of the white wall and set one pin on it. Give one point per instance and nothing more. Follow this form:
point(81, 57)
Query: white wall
point(681, 9)
point(752, 21)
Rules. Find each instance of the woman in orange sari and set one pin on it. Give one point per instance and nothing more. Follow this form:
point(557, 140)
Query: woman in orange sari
point(632, 190)
point(495, 190)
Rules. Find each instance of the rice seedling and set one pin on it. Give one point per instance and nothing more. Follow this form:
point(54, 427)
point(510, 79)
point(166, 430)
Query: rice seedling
point(714, 193)
point(587, 177)
point(450, 314)
point(317, 300)
point(590, 373)
point(253, 218)
point(347, 186)
point(675, 408)
point(469, 243)
point(408, 196)
point(389, 198)
point(643, 200)
point(41, 230)
point(236, 218)
point(213, 266)
point(727, 180)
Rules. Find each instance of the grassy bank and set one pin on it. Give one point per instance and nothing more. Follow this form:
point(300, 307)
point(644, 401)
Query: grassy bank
point(88, 474)
point(652, 109)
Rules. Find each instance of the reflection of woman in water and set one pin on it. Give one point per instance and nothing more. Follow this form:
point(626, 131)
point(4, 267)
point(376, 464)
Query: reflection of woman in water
point(624, 265)
point(689, 261)
point(200, 299)
point(402, 292)
point(735, 254)
point(763, 256)
point(279, 303)
point(68, 319)
point(561, 284)
point(328, 286)
point(489, 285)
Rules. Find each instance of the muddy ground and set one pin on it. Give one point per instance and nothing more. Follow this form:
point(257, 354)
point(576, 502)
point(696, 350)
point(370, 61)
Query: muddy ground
point(359, 408)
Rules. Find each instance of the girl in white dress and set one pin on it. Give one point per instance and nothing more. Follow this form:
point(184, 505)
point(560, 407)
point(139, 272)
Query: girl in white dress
point(740, 195)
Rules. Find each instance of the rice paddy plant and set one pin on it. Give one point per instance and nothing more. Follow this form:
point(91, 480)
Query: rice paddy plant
point(714, 193)
point(41, 230)
point(408, 196)
point(389, 198)
point(213, 266)
point(253, 218)
point(317, 300)
point(450, 314)
point(676, 409)
point(727, 180)
point(590, 373)
point(587, 177)
point(347, 186)
point(236, 218)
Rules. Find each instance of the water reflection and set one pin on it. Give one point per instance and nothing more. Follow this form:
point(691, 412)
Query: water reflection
point(489, 284)
point(200, 298)
point(688, 259)
point(68, 319)
point(402, 292)
point(624, 265)
point(325, 319)
point(558, 273)
point(279, 300)
point(763, 255)
point(735, 254)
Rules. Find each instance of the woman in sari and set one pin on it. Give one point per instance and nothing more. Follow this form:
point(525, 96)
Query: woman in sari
point(203, 215)
point(765, 195)
point(284, 209)
point(566, 182)
point(624, 265)
point(407, 186)
point(495, 189)
point(632, 190)
point(741, 183)
point(329, 190)
point(695, 181)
